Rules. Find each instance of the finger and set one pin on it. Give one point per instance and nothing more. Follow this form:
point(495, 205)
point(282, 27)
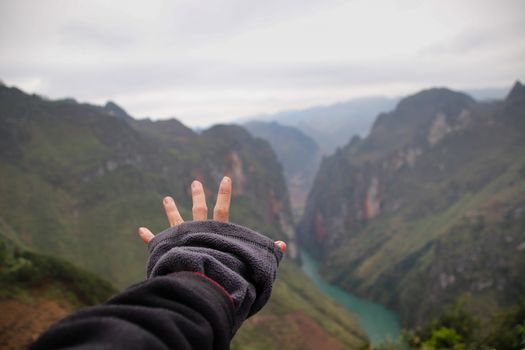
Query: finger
point(172, 213)
point(281, 245)
point(222, 207)
point(199, 210)
point(145, 234)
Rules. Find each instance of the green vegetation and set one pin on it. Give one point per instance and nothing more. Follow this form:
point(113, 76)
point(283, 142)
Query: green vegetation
point(22, 272)
point(458, 329)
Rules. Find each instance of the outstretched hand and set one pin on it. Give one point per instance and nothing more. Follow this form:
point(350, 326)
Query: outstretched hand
point(221, 212)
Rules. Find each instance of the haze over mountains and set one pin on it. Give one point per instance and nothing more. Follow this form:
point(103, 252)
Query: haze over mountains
point(332, 126)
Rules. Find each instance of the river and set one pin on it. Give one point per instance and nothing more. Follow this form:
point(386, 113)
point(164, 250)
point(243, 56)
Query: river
point(379, 323)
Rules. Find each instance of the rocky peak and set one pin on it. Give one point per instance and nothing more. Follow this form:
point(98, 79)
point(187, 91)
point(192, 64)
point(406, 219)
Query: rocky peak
point(10, 92)
point(228, 131)
point(516, 93)
point(438, 98)
point(115, 110)
point(425, 117)
point(175, 127)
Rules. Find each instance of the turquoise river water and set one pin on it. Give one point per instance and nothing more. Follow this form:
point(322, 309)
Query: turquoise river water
point(379, 323)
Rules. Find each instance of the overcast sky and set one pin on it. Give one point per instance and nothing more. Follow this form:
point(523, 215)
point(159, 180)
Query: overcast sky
point(212, 61)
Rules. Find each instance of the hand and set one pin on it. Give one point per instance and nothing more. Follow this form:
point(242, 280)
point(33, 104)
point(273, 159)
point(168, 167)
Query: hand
point(221, 212)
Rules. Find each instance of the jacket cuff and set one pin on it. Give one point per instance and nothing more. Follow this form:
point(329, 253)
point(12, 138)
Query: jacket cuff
point(241, 260)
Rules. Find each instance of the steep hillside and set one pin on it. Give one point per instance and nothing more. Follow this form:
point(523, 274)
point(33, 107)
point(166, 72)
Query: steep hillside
point(428, 208)
point(298, 153)
point(77, 180)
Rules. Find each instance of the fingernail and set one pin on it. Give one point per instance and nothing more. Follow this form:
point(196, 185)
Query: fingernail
point(226, 179)
point(194, 184)
point(141, 231)
point(281, 245)
point(166, 200)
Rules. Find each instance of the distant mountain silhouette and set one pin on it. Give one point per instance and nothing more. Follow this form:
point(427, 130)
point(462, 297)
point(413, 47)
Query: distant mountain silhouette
point(332, 126)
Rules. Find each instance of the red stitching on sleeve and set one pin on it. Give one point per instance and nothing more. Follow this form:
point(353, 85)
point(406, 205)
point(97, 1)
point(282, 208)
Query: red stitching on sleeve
point(217, 284)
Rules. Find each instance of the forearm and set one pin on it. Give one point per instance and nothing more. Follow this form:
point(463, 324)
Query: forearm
point(182, 311)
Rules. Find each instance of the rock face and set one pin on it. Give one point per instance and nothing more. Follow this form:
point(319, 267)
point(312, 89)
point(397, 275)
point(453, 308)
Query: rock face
point(426, 205)
point(78, 180)
point(298, 154)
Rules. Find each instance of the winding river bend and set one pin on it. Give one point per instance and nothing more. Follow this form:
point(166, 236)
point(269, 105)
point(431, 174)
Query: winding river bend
point(379, 323)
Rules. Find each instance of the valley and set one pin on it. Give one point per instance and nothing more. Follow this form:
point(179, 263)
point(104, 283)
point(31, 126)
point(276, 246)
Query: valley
point(380, 324)
point(418, 219)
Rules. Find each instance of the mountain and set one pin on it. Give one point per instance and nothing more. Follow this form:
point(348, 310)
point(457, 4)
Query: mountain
point(77, 180)
point(429, 208)
point(298, 153)
point(332, 126)
point(115, 110)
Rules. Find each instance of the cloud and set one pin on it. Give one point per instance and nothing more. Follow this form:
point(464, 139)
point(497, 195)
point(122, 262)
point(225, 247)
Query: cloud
point(218, 60)
point(78, 35)
point(489, 37)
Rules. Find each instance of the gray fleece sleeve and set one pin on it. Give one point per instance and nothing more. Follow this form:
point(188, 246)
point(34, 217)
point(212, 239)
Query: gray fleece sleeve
point(243, 262)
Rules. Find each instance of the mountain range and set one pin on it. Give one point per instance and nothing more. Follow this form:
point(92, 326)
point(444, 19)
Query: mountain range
point(423, 212)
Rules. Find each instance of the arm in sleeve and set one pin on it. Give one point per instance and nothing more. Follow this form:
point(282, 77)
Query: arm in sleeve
point(204, 279)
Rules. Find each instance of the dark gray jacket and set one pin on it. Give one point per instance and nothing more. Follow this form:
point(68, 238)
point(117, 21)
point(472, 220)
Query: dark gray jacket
point(204, 279)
